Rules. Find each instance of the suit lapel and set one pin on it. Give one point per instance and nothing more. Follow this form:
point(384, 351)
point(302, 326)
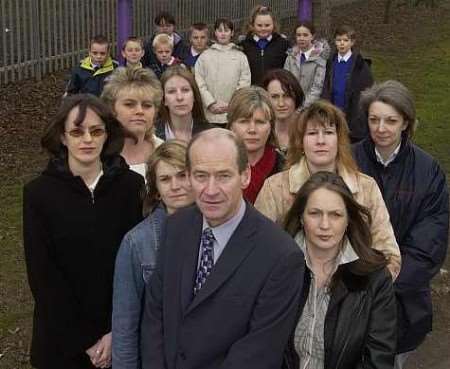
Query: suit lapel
point(238, 247)
point(191, 243)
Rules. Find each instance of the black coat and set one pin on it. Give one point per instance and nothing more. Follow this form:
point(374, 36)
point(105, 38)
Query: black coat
point(261, 61)
point(242, 315)
point(197, 126)
point(360, 323)
point(71, 238)
point(358, 80)
point(416, 195)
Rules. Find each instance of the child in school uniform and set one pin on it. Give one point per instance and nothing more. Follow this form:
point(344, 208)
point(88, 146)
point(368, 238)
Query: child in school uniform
point(165, 23)
point(133, 51)
point(220, 71)
point(347, 75)
point(163, 49)
point(306, 63)
point(199, 40)
point(264, 47)
point(90, 75)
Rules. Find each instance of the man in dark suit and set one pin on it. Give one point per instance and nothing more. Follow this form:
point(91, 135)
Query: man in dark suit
point(225, 293)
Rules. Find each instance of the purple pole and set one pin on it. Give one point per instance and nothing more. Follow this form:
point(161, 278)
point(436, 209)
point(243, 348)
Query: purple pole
point(304, 12)
point(124, 10)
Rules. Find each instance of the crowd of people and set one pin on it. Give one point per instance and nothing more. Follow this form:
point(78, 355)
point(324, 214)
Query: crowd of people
point(212, 204)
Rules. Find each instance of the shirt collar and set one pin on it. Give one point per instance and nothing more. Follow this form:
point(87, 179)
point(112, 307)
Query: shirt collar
point(95, 182)
point(307, 53)
point(391, 157)
point(194, 52)
point(223, 232)
point(345, 57)
point(345, 256)
point(256, 38)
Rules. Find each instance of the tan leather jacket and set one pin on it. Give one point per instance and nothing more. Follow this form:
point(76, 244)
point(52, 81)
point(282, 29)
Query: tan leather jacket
point(278, 193)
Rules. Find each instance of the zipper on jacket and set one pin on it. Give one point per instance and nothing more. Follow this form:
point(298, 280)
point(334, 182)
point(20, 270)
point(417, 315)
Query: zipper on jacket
point(347, 339)
point(92, 197)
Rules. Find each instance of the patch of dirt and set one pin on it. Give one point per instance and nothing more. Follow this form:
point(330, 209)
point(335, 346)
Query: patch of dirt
point(25, 109)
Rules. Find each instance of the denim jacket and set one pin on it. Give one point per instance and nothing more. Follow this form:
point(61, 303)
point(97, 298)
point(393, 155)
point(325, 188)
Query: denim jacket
point(135, 263)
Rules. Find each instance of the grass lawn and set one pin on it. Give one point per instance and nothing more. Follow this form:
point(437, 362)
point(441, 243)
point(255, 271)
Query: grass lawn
point(429, 79)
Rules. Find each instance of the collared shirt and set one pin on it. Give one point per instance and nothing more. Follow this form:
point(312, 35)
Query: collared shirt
point(256, 38)
point(347, 56)
point(95, 182)
point(194, 52)
point(391, 157)
point(309, 333)
point(223, 232)
point(306, 53)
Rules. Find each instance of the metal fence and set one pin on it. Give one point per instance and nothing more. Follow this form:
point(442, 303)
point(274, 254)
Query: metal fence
point(38, 37)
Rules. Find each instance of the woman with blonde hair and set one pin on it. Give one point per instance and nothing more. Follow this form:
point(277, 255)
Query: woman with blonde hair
point(182, 113)
point(319, 142)
point(135, 95)
point(252, 118)
point(168, 189)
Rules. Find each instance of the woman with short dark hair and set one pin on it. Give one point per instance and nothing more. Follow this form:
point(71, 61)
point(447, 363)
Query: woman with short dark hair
point(74, 217)
point(348, 311)
point(415, 190)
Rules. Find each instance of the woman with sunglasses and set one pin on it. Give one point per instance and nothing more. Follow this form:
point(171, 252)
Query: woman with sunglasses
point(74, 216)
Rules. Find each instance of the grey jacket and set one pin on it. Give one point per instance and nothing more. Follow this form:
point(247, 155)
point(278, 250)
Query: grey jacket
point(310, 74)
point(135, 263)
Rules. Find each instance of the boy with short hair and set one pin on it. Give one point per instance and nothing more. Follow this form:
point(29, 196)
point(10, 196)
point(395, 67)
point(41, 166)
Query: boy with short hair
point(199, 38)
point(165, 24)
point(133, 51)
point(163, 49)
point(347, 75)
point(90, 75)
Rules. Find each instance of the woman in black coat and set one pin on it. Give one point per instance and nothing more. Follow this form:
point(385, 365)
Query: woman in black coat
point(415, 191)
point(347, 315)
point(75, 215)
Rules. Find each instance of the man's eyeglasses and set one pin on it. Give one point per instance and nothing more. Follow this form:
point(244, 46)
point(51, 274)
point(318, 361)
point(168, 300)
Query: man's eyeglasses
point(94, 132)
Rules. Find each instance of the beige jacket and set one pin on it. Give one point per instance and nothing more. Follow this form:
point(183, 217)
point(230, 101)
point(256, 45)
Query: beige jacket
point(219, 72)
point(278, 193)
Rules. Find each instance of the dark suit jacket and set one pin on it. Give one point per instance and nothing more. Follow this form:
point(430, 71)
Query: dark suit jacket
point(242, 316)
